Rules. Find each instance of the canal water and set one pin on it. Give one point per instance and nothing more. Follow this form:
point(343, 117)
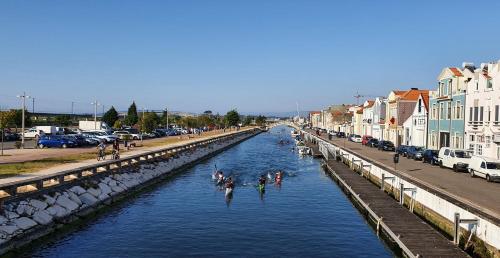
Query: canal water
point(188, 215)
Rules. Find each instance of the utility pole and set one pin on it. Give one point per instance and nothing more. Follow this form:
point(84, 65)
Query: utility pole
point(24, 96)
point(142, 127)
point(95, 103)
point(166, 111)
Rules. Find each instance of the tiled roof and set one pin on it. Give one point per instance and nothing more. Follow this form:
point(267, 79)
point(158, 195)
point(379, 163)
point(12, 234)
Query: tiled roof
point(425, 98)
point(315, 112)
point(456, 71)
point(414, 94)
point(399, 92)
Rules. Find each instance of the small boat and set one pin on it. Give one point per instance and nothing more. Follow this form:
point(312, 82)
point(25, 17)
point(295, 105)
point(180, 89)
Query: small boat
point(229, 191)
point(294, 133)
point(304, 150)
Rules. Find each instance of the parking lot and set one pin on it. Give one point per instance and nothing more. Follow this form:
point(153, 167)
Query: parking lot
point(475, 191)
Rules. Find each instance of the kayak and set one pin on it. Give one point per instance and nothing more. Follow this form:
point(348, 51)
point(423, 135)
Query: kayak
point(229, 191)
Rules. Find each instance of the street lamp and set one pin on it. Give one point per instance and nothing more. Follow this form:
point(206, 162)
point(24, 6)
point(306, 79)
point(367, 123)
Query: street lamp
point(95, 103)
point(24, 97)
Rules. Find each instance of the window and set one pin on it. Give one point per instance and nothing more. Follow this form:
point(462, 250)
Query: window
point(450, 86)
point(471, 147)
point(446, 151)
point(470, 114)
point(477, 85)
point(496, 112)
point(471, 137)
point(481, 111)
point(476, 113)
point(419, 105)
point(489, 85)
point(441, 110)
point(489, 113)
point(479, 149)
point(487, 141)
point(458, 110)
point(448, 115)
point(483, 165)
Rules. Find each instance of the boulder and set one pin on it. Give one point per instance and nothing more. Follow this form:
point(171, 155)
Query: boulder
point(94, 192)
point(72, 196)
point(3, 220)
point(38, 205)
point(49, 200)
point(77, 190)
point(112, 183)
point(105, 189)
point(88, 199)
point(57, 211)
point(42, 217)
point(24, 223)
point(68, 204)
point(117, 189)
point(103, 197)
point(9, 229)
point(21, 207)
point(11, 215)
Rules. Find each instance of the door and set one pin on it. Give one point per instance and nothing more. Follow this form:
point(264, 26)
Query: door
point(444, 139)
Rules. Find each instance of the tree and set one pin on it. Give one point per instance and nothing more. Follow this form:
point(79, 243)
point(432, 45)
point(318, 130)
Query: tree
point(132, 117)
point(248, 120)
point(63, 120)
point(232, 118)
point(149, 122)
point(205, 120)
point(260, 120)
point(18, 118)
point(117, 124)
point(6, 118)
point(110, 117)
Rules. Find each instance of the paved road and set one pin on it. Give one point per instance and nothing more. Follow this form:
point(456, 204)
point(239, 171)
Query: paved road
point(477, 192)
point(28, 143)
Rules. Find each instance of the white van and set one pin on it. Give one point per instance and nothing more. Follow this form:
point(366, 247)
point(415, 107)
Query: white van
point(457, 159)
point(485, 167)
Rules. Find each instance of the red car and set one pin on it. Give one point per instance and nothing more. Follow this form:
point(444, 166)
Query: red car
point(365, 139)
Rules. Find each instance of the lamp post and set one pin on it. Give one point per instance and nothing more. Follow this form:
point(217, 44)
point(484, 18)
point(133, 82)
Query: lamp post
point(23, 97)
point(95, 103)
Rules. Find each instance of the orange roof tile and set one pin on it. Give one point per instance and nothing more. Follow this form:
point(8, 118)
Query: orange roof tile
point(425, 98)
point(456, 71)
point(315, 112)
point(413, 94)
point(399, 92)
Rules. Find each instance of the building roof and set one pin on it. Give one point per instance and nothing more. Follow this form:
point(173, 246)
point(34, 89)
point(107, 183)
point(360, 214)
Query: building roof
point(425, 99)
point(413, 94)
point(456, 71)
point(370, 103)
point(315, 112)
point(399, 92)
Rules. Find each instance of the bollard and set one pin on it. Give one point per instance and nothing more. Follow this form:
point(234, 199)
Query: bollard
point(382, 182)
point(401, 193)
point(456, 228)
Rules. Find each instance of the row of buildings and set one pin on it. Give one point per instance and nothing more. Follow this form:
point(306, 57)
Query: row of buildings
point(461, 112)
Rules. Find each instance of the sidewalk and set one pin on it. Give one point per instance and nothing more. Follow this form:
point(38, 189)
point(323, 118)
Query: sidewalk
point(68, 166)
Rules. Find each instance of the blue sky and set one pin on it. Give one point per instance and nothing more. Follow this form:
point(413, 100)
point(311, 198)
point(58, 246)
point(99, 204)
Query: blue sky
point(257, 56)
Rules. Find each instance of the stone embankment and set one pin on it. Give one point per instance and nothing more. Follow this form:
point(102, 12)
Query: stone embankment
point(30, 218)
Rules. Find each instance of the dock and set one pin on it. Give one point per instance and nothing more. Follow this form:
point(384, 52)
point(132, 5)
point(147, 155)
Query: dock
point(414, 236)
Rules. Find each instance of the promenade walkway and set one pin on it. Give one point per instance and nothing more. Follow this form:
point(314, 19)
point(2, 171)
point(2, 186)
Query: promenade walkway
point(475, 192)
point(83, 163)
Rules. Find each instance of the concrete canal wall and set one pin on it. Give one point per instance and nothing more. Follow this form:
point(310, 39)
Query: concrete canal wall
point(435, 206)
point(38, 207)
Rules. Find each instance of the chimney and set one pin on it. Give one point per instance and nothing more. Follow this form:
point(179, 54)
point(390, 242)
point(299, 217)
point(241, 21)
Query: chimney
point(414, 88)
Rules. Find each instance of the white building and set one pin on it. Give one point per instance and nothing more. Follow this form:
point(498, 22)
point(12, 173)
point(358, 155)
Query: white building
point(378, 121)
point(482, 111)
point(367, 123)
point(415, 126)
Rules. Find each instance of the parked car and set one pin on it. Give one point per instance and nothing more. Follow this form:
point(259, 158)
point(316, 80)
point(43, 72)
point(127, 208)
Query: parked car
point(402, 150)
point(79, 140)
point(103, 136)
point(484, 167)
point(136, 135)
point(341, 135)
point(123, 134)
point(386, 146)
point(33, 133)
point(355, 138)
point(365, 139)
point(372, 143)
point(430, 156)
point(414, 152)
point(55, 141)
point(457, 159)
